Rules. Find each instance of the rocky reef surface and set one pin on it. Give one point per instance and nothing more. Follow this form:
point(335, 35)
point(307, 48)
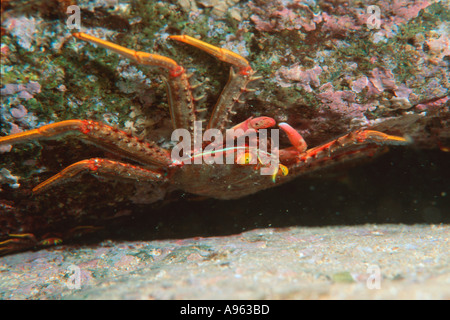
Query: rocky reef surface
point(327, 67)
point(360, 262)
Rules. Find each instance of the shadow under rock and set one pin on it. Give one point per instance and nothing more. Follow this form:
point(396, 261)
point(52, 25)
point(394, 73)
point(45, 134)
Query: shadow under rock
point(400, 187)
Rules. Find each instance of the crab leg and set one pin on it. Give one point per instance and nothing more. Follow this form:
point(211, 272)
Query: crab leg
point(354, 145)
point(17, 242)
point(181, 101)
point(236, 85)
point(349, 141)
point(99, 134)
point(294, 137)
point(101, 167)
point(242, 128)
point(341, 158)
point(255, 123)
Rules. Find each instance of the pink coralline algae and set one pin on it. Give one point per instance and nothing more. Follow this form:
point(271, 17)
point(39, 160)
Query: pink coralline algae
point(338, 19)
point(432, 105)
point(401, 11)
point(341, 101)
point(359, 84)
point(394, 14)
point(355, 71)
point(29, 88)
point(381, 79)
point(288, 76)
point(439, 48)
point(24, 29)
point(275, 16)
point(18, 112)
point(337, 24)
point(403, 91)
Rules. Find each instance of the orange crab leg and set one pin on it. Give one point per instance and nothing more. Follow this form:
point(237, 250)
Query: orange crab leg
point(255, 123)
point(53, 129)
point(138, 56)
point(101, 167)
point(17, 242)
point(236, 85)
point(28, 236)
point(249, 124)
point(222, 54)
point(337, 159)
point(181, 101)
point(360, 137)
point(354, 145)
point(100, 134)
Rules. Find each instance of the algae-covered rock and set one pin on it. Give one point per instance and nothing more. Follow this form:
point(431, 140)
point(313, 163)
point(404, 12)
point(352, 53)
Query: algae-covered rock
point(327, 68)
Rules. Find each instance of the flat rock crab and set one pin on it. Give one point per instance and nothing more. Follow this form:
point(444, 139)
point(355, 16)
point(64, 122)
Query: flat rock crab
point(150, 162)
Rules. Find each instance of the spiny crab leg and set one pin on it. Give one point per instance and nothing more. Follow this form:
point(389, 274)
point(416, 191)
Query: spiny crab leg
point(348, 141)
point(236, 85)
point(101, 167)
point(105, 136)
point(138, 56)
point(356, 144)
point(181, 101)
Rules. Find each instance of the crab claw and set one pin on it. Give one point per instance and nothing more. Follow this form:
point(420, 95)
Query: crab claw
point(255, 123)
point(294, 137)
point(261, 123)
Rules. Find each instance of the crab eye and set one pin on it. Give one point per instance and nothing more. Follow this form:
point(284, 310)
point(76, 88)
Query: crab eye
point(284, 170)
point(281, 171)
point(245, 158)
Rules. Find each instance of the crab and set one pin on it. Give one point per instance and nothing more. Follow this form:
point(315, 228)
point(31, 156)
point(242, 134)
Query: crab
point(150, 162)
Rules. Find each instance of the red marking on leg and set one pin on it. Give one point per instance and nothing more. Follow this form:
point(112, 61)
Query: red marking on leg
point(93, 165)
point(361, 136)
point(85, 127)
point(176, 72)
point(245, 71)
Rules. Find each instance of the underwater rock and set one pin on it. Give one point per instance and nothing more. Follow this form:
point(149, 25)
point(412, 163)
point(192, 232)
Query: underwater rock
point(327, 68)
point(291, 263)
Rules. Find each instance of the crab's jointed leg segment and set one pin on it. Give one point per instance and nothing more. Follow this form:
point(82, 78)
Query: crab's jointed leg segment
point(236, 85)
point(104, 168)
point(255, 123)
point(294, 137)
point(105, 136)
point(350, 141)
point(181, 101)
point(354, 145)
point(17, 242)
point(230, 95)
point(222, 54)
point(138, 56)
